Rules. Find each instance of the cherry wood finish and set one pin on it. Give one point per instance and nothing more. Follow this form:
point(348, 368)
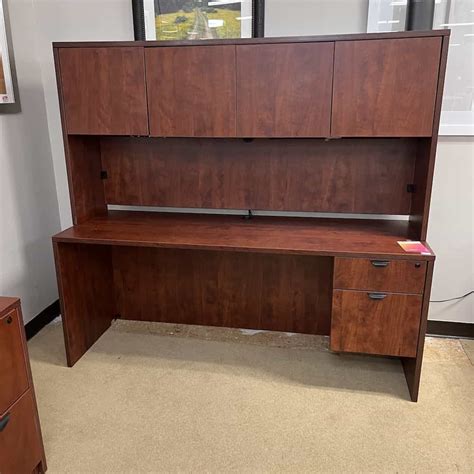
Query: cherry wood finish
point(425, 162)
point(381, 92)
point(13, 373)
point(270, 40)
point(20, 451)
point(398, 276)
point(279, 235)
point(385, 87)
point(86, 295)
point(299, 105)
point(21, 444)
point(103, 91)
point(388, 326)
point(191, 91)
point(412, 365)
point(256, 291)
point(284, 175)
point(85, 185)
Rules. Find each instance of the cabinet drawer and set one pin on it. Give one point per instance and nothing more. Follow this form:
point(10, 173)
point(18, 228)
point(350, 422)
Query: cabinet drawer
point(375, 323)
point(20, 442)
point(397, 276)
point(13, 373)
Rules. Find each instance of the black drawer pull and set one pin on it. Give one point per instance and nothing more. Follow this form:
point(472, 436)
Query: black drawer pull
point(380, 263)
point(377, 296)
point(4, 422)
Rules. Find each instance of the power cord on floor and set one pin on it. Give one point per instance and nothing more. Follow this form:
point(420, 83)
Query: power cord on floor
point(453, 299)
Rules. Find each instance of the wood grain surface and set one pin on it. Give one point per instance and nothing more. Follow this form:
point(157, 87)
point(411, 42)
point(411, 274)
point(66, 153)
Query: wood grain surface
point(398, 276)
point(103, 90)
point(256, 291)
point(86, 295)
point(281, 235)
point(191, 91)
point(346, 175)
point(284, 90)
point(384, 327)
point(385, 87)
point(13, 372)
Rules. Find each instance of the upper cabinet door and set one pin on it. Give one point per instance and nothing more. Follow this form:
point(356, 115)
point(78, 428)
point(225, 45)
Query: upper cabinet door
point(284, 90)
point(385, 88)
point(191, 91)
point(103, 90)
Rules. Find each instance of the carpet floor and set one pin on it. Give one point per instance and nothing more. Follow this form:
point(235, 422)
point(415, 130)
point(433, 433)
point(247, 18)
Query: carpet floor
point(167, 398)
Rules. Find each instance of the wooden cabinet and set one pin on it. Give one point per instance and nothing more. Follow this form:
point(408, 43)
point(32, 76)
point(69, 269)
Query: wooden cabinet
point(20, 450)
point(103, 90)
point(398, 276)
point(251, 124)
point(284, 90)
point(21, 445)
point(375, 323)
point(13, 375)
point(191, 91)
point(386, 87)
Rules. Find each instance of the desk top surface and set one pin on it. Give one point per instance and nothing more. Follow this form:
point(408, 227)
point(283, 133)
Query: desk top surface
point(304, 236)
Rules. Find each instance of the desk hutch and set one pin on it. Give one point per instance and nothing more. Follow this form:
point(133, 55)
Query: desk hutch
point(334, 124)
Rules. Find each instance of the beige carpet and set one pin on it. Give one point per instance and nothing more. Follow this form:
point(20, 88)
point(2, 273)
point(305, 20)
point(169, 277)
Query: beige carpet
point(164, 398)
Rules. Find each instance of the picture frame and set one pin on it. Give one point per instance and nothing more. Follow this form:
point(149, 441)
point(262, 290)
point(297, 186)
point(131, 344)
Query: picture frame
point(176, 20)
point(9, 96)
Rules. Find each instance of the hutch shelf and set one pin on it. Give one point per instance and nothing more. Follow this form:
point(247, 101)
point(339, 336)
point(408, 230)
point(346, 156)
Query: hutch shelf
point(345, 126)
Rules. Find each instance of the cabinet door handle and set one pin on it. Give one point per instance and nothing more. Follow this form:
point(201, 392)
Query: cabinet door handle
point(4, 422)
point(380, 263)
point(377, 296)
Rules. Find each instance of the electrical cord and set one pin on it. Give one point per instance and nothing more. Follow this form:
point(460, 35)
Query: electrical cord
point(453, 299)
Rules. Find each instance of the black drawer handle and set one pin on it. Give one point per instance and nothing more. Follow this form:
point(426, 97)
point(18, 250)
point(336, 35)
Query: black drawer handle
point(4, 422)
point(377, 296)
point(380, 263)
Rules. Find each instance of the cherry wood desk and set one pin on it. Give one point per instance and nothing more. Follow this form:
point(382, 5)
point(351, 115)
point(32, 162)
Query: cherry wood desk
point(337, 124)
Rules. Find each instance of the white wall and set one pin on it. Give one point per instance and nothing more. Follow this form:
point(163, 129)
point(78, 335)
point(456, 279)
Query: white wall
point(28, 202)
point(451, 229)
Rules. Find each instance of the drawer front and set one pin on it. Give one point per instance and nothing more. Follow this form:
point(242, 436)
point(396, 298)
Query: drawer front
point(375, 323)
point(13, 372)
point(20, 442)
point(397, 276)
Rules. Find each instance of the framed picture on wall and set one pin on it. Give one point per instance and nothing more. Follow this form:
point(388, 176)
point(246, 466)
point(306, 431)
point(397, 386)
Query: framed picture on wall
point(174, 20)
point(9, 100)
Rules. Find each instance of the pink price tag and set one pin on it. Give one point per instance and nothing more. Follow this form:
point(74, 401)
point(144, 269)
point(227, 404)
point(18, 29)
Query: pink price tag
point(414, 246)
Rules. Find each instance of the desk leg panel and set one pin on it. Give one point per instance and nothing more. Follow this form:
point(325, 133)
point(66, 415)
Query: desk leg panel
point(412, 366)
point(85, 283)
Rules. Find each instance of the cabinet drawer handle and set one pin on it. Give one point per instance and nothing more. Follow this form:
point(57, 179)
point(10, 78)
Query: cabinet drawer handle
point(377, 296)
point(4, 422)
point(380, 263)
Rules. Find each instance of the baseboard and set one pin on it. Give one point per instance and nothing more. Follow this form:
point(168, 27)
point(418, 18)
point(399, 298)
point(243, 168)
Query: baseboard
point(448, 328)
point(34, 326)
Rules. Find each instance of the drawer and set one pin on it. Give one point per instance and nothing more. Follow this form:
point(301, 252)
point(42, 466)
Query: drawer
point(375, 323)
point(397, 276)
point(13, 372)
point(20, 442)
